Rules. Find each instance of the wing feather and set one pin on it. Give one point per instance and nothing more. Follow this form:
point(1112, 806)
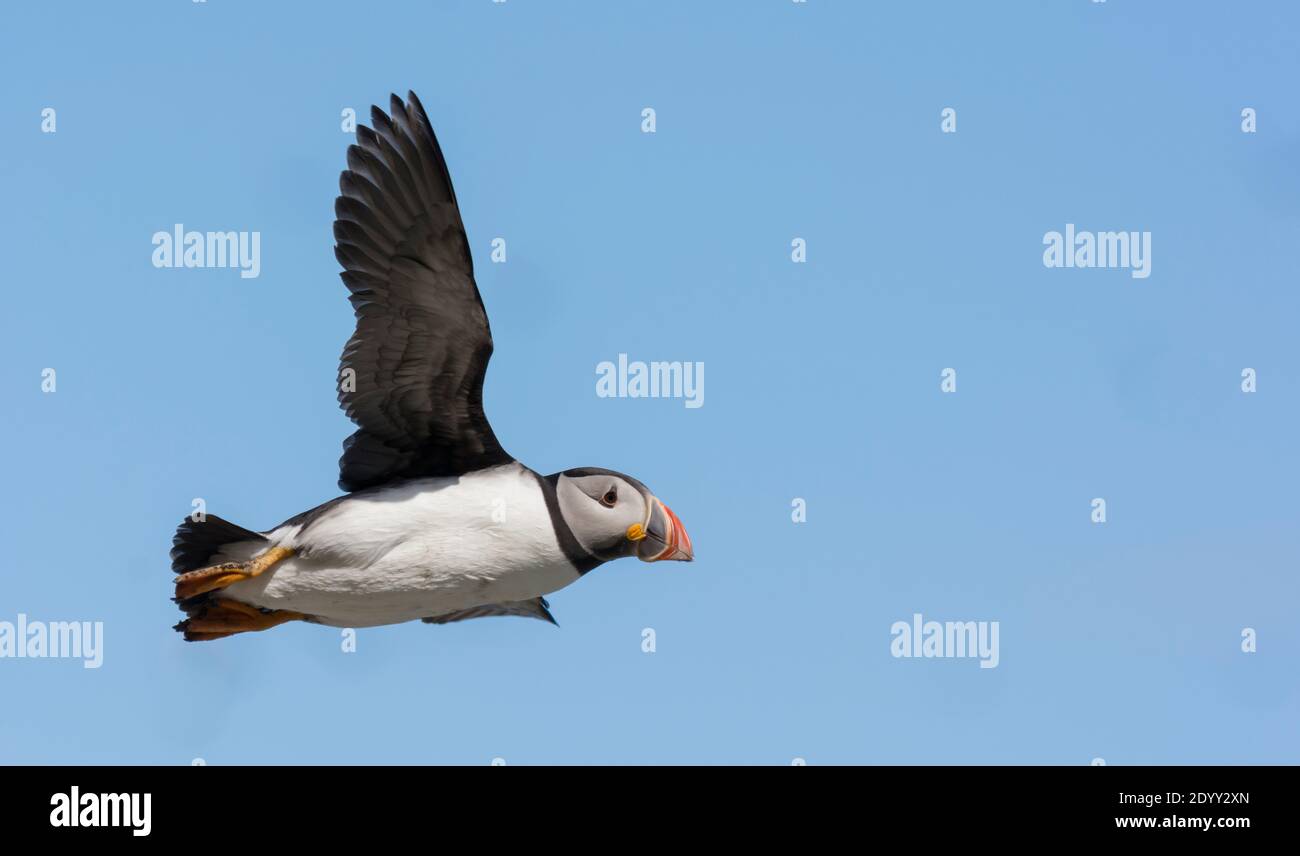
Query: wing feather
point(411, 376)
point(535, 608)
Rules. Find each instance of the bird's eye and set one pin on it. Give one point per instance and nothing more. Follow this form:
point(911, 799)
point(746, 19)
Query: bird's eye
point(610, 497)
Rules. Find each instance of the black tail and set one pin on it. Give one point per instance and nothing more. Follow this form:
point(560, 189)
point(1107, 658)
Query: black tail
point(197, 541)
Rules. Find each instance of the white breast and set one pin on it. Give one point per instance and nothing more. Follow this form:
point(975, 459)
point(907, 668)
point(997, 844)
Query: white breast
point(418, 549)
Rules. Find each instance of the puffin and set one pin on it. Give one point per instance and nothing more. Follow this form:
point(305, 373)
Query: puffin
point(437, 521)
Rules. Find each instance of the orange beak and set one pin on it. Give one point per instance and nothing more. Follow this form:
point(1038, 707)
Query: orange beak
point(666, 537)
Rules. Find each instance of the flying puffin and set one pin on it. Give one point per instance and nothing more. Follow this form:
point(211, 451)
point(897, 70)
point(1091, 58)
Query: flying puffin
point(438, 522)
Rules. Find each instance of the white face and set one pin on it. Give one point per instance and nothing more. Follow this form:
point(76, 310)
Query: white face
point(600, 509)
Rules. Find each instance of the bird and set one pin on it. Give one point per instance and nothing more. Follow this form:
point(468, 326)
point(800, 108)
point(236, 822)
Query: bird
point(437, 522)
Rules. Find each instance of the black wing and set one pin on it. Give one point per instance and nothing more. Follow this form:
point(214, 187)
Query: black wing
point(411, 376)
point(535, 608)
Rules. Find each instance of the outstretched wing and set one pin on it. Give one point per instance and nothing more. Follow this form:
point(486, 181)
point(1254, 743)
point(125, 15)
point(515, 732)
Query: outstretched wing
point(411, 376)
point(535, 608)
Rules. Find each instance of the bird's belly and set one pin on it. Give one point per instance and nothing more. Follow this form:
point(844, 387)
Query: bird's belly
point(416, 550)
point(392, 592)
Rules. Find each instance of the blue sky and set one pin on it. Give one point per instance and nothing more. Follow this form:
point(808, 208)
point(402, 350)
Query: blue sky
point(775, 120)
